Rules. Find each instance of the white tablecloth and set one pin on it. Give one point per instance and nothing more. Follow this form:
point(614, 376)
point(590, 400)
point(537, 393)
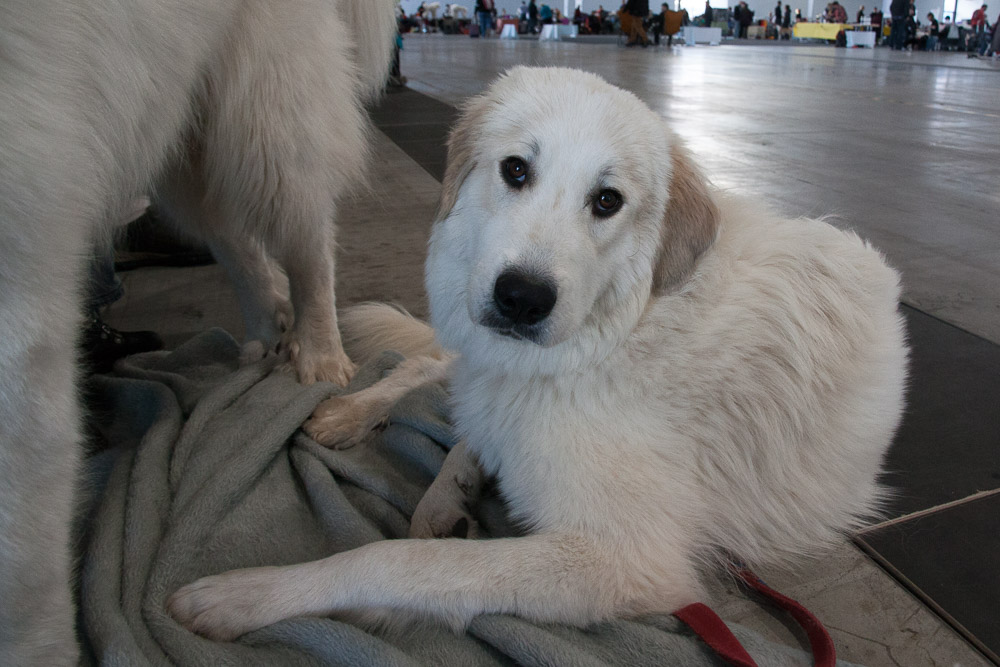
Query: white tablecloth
point(860, 38)
point(555, 31)
point(694, 35)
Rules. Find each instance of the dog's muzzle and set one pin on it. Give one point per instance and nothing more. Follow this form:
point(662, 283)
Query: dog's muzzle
point(521, 302)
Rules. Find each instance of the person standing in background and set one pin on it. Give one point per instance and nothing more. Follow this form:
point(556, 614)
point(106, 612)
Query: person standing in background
point(631, 16)
point(861, 15)
point(484, 14)
point(532, 17)
point(979, 27)
point(876, 20)
point(899, 10)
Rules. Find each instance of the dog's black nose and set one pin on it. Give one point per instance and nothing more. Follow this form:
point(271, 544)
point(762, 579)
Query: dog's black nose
point(522, 298)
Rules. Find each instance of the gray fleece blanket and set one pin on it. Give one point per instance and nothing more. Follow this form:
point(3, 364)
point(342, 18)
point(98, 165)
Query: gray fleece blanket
point(205, 469)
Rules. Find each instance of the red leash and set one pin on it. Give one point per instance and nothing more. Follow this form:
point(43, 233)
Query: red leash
point(713, 631)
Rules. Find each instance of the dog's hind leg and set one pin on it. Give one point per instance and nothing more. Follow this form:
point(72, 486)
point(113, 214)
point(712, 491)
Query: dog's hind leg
point(266, 311)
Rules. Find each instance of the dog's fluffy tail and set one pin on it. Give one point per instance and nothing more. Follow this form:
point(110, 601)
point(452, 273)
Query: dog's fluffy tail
point(369, 328)
point(372, 24)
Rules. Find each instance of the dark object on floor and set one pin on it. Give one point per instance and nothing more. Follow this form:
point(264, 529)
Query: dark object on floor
point(102, 345)
point(151, 240)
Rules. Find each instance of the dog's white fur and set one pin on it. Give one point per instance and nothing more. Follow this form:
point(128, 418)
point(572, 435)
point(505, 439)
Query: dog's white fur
point(712, 380)
point(246, 118)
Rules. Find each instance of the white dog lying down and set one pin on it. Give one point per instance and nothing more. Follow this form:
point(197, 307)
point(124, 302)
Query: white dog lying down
point(246, 118)
point(658, 377)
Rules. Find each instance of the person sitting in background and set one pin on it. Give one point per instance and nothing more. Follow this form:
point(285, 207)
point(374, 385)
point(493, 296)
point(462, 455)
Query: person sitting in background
point(656, 23)
point(929, 41)
point(545, 14)
point(667, 23)
point(837, 13)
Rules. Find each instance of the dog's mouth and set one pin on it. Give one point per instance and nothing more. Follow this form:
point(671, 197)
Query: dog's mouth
point(502, 327)
point(509, 333)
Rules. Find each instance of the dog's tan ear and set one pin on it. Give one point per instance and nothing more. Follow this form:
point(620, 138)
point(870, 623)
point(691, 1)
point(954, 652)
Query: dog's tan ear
point(690, 225)
point(460, 153)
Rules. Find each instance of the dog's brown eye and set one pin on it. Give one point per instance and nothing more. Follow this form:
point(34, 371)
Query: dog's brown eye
point(514, 171)
point(606, 203)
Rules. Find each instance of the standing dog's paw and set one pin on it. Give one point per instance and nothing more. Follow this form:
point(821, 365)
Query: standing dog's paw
point(316, 366)
point(225, 606)
point(341, 422)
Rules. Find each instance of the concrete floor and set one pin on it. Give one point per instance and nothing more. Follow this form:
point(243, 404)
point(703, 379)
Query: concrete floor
point(902, 147)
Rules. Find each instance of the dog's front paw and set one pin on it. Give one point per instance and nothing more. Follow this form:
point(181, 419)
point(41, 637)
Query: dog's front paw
point(341, 422)
point(226, 606)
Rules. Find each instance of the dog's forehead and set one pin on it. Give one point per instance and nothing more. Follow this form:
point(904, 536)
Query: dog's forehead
point(577, 118)
point(559, 97)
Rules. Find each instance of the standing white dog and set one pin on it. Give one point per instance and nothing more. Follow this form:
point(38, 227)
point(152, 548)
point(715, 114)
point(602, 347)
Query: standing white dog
point(657, 375)
point(246, 118)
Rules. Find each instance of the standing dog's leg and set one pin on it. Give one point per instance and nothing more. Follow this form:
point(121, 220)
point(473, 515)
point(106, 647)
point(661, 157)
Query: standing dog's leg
point(39, 457)
point(343, 421)
point(545, 577)
point(314, 340)
point(45, 241)
point(284, 135)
